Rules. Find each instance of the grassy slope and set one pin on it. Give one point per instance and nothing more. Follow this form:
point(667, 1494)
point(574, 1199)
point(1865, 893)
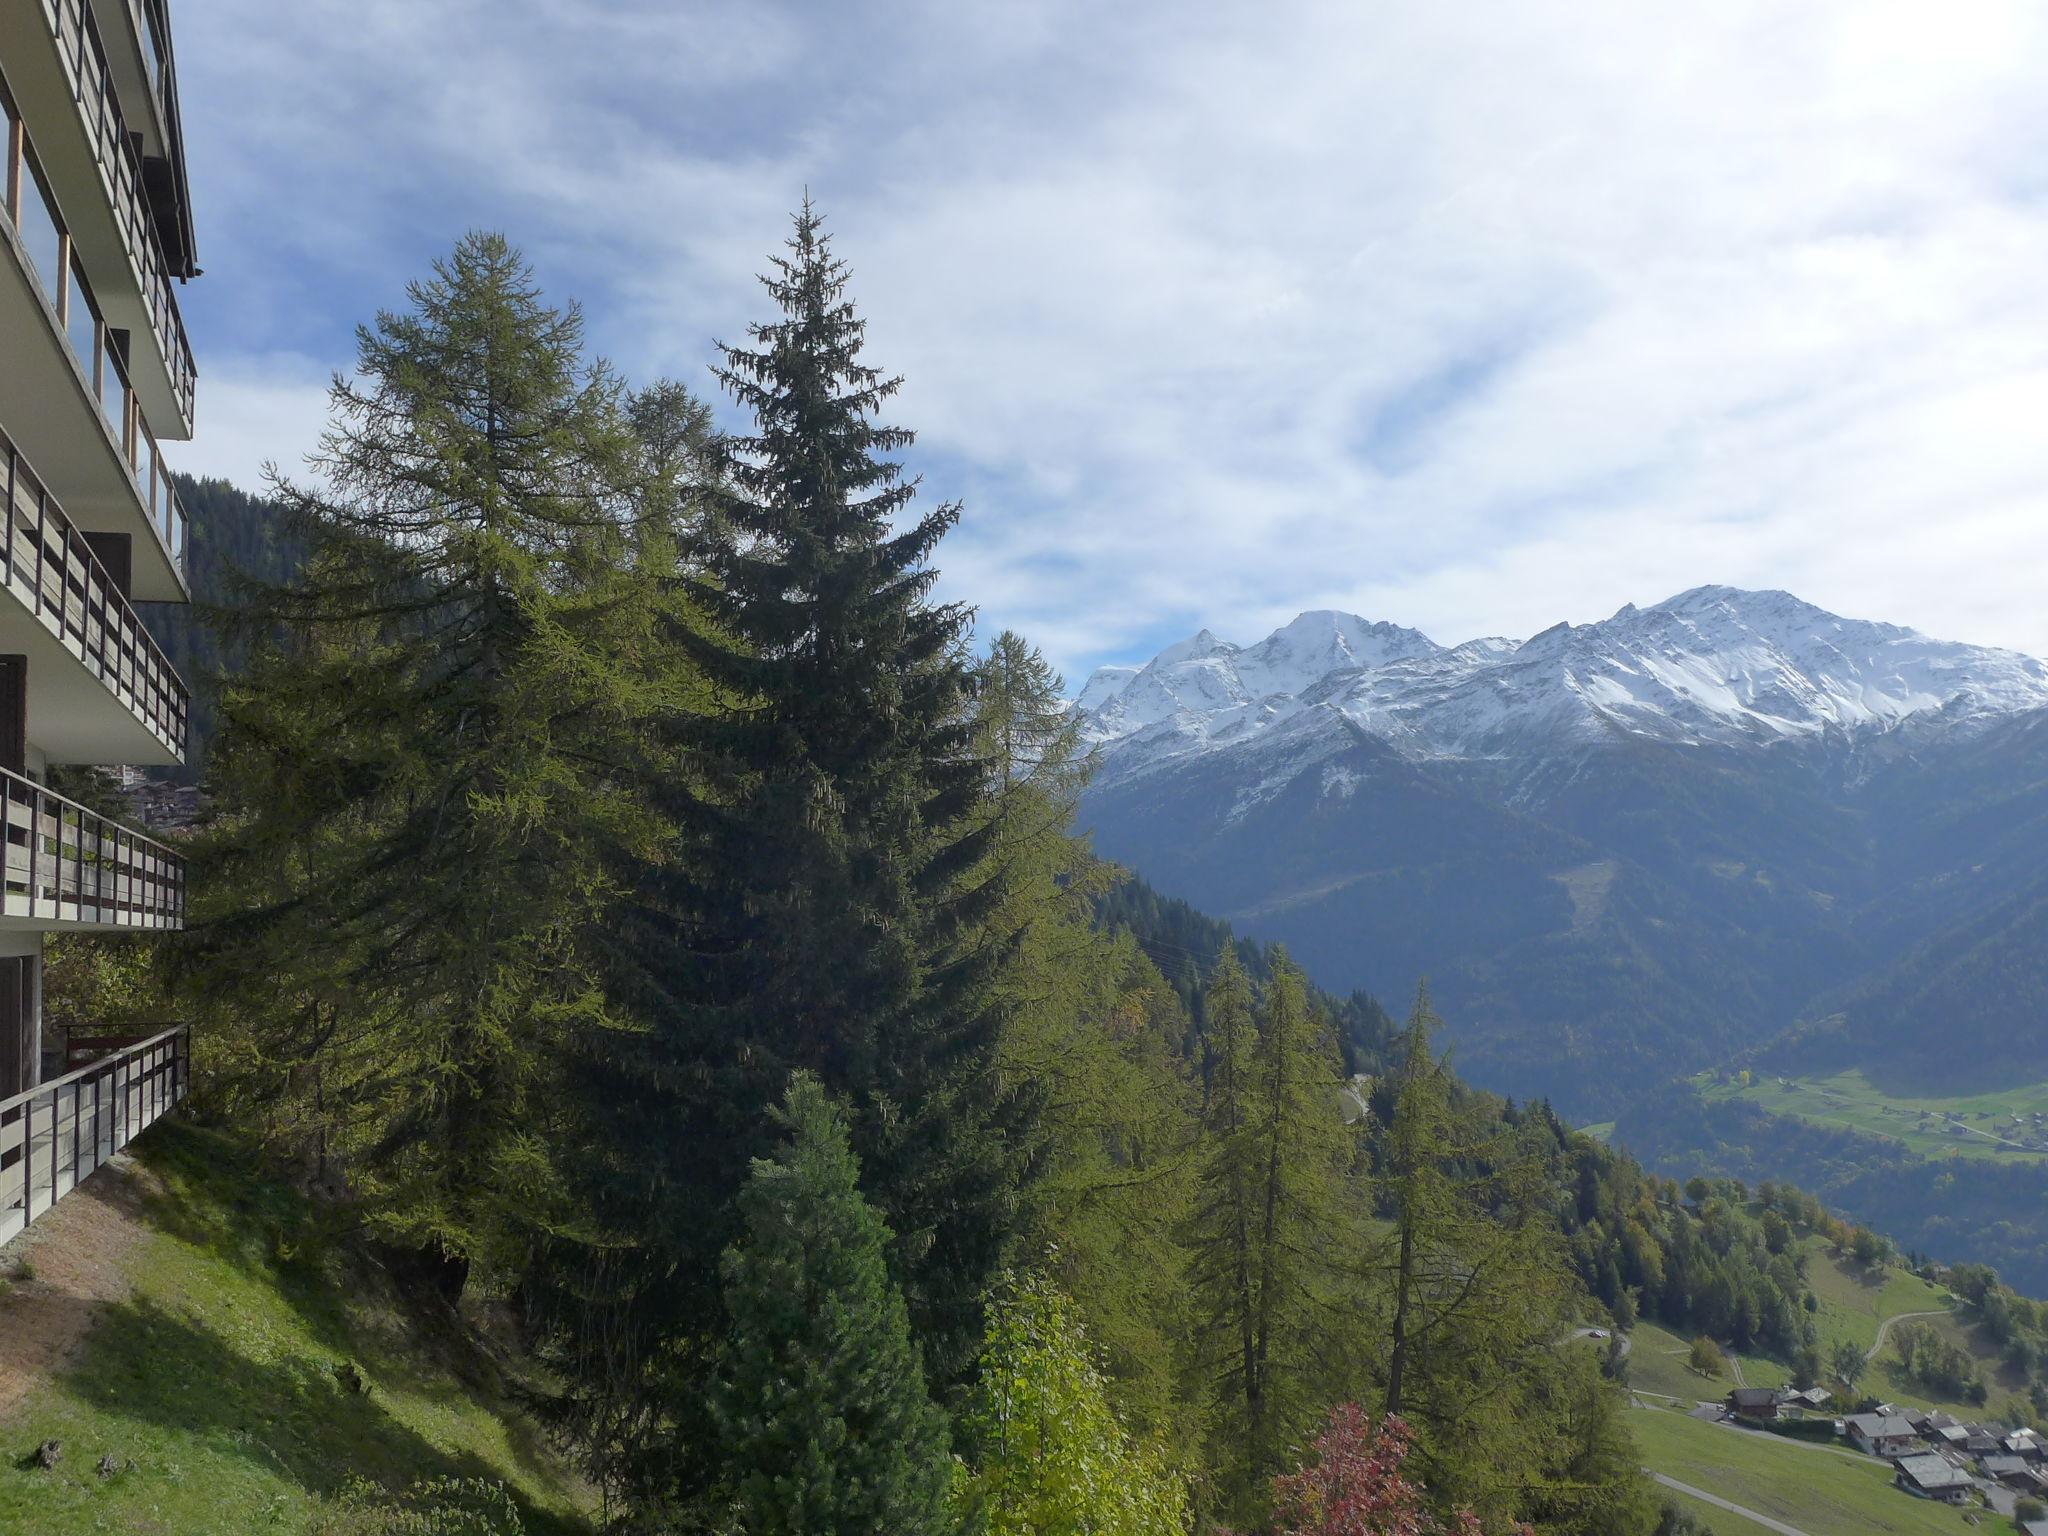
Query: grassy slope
point(216, 1379)
point(1851, 1101)
point(1819, 1491)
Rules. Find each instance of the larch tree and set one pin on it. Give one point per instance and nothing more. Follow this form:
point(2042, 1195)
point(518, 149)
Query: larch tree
point(1267, 1236)
point(414, 781)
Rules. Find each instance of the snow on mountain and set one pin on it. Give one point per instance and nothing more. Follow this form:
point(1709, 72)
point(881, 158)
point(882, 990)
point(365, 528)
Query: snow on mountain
point(1712, 665)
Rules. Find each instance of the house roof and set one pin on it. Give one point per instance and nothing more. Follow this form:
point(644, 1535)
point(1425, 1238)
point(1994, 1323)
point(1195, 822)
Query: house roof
point(1760, 1395)
point(2004, 1466)
point(1880, 1426)
point(1932, 1471)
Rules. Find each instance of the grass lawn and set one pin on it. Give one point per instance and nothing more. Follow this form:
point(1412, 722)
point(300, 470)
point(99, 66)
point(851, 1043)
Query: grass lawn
point(1818, 1491)
point(1854, 1301)
point(218, 1384)
point(1657, 1363)
point(1715, 1519)
point(1973, 1125)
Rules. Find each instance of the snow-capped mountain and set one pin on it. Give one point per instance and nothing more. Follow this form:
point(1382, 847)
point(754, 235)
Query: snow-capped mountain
point(1712, 665)
point(1618, 850)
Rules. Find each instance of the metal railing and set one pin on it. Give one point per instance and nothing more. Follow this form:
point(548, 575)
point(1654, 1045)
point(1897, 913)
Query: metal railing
point(92, 89)
point(66, 864)
point(58, 1132)
point(50, 567)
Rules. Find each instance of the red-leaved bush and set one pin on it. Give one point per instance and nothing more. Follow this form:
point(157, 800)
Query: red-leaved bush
point(1353, 1485)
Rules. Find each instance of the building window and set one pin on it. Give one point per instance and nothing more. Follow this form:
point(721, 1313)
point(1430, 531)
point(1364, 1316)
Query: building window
point(41, 233)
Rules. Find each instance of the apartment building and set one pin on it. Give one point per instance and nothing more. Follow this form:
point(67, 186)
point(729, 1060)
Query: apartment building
point(96, 375)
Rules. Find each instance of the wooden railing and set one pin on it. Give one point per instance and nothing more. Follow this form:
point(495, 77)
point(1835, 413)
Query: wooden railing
point(55, 1134)
point(48, 565)
point(66, 864)
point(92, 88)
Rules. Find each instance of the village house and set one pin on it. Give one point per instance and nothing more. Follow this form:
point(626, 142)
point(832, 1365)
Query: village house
point(2012, 1471)
point(1881, 1434)
point(1932, 1477)
point(1754, 1402)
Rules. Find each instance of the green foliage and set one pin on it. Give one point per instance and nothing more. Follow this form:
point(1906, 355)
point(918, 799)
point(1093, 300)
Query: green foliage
point(1049, 1455)
point(417, 813)
point(1937, 1364)
point(823, 1422)
point(1706, 1357)
point(1268, 1233)
point(441, 1506)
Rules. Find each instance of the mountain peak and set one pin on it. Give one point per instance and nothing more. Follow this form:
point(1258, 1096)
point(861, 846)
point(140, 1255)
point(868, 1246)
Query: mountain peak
point(1714, 663)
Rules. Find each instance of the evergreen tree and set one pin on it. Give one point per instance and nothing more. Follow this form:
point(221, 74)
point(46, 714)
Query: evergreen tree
point(839, 897)
point(824, 1425)
point(414, 788)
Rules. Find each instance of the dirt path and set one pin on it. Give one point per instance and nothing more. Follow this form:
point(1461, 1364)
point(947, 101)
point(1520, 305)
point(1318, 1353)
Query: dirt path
point(62, 1271)
point(1885, 1327)
point(1720, 1503)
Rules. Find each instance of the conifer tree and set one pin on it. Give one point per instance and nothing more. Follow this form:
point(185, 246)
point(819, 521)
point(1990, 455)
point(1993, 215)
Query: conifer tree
point(1476, 1292)
point(824, 1424)
point(415, 780)
point(1267, 1237)
point(831, 903)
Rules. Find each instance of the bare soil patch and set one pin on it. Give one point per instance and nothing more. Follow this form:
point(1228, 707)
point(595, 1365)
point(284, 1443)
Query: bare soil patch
point(63, 1271)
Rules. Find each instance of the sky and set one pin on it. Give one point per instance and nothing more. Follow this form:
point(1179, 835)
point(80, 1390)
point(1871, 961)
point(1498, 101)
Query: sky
point(1472, 317)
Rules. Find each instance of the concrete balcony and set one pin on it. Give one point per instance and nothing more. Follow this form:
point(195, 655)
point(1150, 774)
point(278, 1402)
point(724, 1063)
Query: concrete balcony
point(65, 392)
point(99, 689)
point(64, 87)
point(68, 867)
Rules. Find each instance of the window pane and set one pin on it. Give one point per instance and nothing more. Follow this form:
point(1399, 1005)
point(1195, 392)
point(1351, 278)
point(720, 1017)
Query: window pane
point(39, 234)
point(85, 340)
point(110, 385)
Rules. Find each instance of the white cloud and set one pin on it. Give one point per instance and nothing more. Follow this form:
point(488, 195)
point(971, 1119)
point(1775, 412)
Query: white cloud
point(1473, 317)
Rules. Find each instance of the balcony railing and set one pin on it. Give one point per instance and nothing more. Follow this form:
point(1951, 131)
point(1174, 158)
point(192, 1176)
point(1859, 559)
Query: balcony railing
point(31, 208)
point(55, 1134)
point(48, 564)
point(66, 864)
point(92, 89)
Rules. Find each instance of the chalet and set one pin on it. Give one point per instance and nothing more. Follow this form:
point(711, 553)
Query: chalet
point(2012, 1471)
point(2023, 1442)
point(1930, 1424)
point(1981, 1442)
point(1813, 1398)
point(1951, 1435)
point(1754, 1402)
point(1881, 1434)
point(2034, 1528)
point(1932, 1477)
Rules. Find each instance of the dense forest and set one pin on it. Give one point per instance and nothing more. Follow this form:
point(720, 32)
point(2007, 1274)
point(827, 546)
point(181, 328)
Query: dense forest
point(631, 897)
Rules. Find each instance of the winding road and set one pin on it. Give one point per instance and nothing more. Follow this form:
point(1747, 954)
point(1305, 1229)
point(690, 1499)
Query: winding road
point(1885, 1327)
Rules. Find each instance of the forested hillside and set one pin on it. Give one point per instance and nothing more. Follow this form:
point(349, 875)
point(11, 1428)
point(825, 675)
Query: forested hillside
point(634, 901)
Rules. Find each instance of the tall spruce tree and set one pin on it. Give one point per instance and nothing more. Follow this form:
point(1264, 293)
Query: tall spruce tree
point(835, 904)
point(415, 785)
point(824, 1425)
